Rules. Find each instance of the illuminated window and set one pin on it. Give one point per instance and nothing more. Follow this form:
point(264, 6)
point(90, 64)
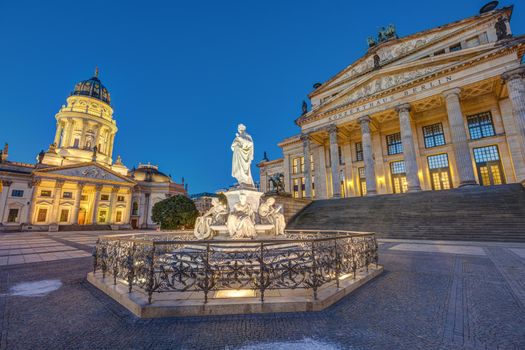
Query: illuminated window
point(45, 193)
point(358, 151)
point(296, 188)
point(118, 216)
point(394, 145)
point(64, 215)
point(302, 164)
point(433, 135)
point(439, 172)
point(480, 125)
point(486, 154)
point(312, 166)
point(42, 214)
point(490, 171)
point(12, 216)
point(303, 187)
point(120, 198)
point(104, 197)
point(67, 195)
point(399, 180)
point(84, 197)
point(362, 180)
point(102, 216)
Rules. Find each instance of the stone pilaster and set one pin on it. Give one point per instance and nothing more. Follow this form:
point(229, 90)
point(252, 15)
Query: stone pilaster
point(57, 134)
point(307, 166)
point(334, 161)
point(287, 178)
point(98, 188)
point(5, 193)
point(83, 136)
point(516, 88)
point(459, 138)
point(409, 150)
point(56, 202)
point(368, 155)
point(34, 187)
point(112, 200)
point(78, 198)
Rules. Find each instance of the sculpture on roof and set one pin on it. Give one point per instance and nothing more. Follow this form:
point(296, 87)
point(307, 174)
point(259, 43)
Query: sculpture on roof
point(242, 147)
point(501, 28)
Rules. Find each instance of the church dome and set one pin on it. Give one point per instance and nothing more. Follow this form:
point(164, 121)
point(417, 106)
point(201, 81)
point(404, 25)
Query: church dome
point(92, 88)
point(149, 173)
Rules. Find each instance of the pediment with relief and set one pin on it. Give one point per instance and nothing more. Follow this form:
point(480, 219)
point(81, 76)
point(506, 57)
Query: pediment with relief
point(92, 171)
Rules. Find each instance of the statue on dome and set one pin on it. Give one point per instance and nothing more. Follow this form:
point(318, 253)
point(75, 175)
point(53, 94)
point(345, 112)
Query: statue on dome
point(242, 148)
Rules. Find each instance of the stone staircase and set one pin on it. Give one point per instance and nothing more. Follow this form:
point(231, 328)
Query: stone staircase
point(494, 213)
point(84, 228)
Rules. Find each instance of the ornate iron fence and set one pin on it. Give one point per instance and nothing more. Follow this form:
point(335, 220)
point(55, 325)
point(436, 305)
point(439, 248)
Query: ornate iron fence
point(305, 259)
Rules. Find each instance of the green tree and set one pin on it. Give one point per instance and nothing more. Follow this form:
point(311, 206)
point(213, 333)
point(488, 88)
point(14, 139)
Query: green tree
point(175, 213)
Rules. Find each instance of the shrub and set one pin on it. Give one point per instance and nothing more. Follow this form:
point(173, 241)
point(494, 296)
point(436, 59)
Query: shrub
point(175, 213)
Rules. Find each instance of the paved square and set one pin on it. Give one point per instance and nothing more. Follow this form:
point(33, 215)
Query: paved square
point(432, 295)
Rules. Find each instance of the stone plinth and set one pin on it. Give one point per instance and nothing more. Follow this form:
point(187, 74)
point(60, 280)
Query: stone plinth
point(174, 304)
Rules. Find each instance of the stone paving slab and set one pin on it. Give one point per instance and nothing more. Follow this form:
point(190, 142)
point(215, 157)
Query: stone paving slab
point(439, 248)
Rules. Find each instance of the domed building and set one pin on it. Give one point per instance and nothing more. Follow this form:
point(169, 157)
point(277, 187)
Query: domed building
point(76, 182)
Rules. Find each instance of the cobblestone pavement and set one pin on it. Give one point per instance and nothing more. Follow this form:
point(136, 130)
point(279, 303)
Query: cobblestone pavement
point(432, 295)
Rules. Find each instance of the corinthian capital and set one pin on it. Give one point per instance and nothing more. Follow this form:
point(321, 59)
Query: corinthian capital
point(404, 107)
point(332, 128)
point(455, 92)
point(305, 137)
point(518, 73)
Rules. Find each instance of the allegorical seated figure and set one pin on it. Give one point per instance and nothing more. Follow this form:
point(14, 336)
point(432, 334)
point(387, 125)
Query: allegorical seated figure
point(214, 216)
point(241, 221)
point(272, 215)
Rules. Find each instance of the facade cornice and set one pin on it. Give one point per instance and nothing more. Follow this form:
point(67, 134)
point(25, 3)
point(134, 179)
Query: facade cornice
point(453, 68)
point(270, 162)
point(45, 173)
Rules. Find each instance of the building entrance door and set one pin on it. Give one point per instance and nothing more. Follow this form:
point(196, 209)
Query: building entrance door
point(439, 172)
point(82, 216)
point(362, 181)
point(399, 177)
point(488, 163)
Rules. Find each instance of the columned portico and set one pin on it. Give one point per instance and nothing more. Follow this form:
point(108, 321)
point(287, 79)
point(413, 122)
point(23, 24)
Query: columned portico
point(459, 138)
point(112, 201)
point(368, 155)
point(409, 151)
point(307, 165)
point(334, 161)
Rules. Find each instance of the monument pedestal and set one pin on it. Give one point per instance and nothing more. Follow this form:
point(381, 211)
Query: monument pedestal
point(253, 197)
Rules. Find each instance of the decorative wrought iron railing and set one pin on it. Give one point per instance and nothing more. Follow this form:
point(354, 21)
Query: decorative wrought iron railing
point(305, 259)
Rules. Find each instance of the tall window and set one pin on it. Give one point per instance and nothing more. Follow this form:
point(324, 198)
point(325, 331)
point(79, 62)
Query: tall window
point(295, 188)
point(298, 165)
point(102, 216)
point(439, 172)
point(12, 216)
point(358, 151)
point(17, 193)
point(433, 135)
point(312, 165)
point(480, 125)
point(64, 215)
point(135, 209)
point(393, 143)
point(41, 216)
point(118, 216)
point(362, 180)
point(398, 173)
point(303, 188)
point(302, 164)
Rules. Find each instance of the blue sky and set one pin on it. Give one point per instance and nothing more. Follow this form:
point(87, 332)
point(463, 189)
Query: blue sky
point(182, 75)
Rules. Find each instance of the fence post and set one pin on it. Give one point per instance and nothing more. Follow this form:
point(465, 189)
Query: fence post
point(337, 264)
point(116, 262)
point(131, 266)
point(314, 271)
point(95, 254)
point(151, 273)
point(261, 268)
point(206, 273)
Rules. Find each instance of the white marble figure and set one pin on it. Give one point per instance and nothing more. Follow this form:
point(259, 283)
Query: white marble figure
point(214, 216)
point(242, 148)
point(241, 221)
point(272, 215)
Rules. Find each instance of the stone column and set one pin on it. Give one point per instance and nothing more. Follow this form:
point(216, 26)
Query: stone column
point(459, 138)
point(516, 87)
point(98, 188)
point(112, 200)
point(334, 161)
point(307, 166)
point(146, 210)
point(287, 179)
point(82, 144)
point(110, 145)
point(7, 186)
point(57, 134)
point(368, 155)
point(409, 150)
point(68, 132)
point(56, 202)
point(76, 208)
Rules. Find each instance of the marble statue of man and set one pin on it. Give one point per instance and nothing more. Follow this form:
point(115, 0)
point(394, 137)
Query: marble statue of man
point(242, 148)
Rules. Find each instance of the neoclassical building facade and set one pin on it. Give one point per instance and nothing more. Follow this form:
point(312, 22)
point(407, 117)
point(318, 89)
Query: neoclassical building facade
point(76, 183)
point(439, 109)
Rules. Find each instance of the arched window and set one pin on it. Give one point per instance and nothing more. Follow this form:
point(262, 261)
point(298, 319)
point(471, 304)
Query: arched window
point(135, 209)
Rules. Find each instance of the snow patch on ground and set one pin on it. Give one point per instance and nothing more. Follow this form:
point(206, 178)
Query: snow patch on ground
point(305, 344)
point(35, 289)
